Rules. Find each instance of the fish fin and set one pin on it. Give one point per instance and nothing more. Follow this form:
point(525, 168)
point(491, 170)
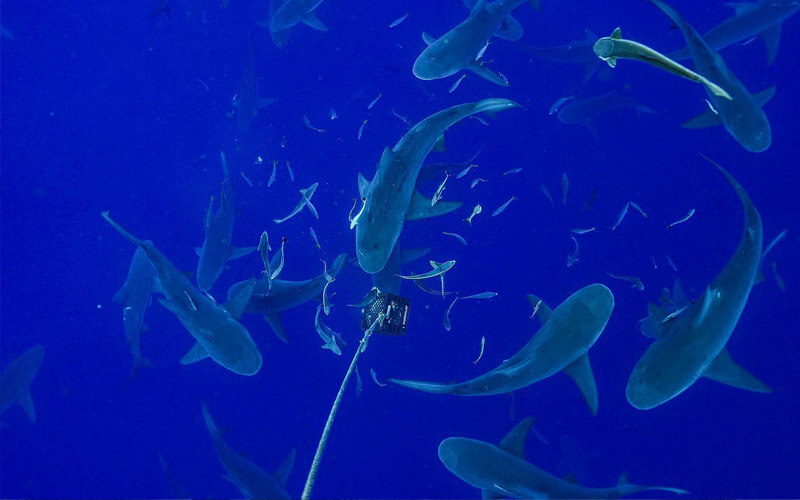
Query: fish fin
point(616, 34)
point(741, 7)
point(589, 71)
point(198, 251)
point(139, 362)
point(570, 478)
point(120, 296)
point(313, 21)
point(726, 371)
point(429, 40)
point(514, 442)
point(363, 185)
point(483, 71)
point(283, 471)
point(25, 401)
point(772, 38)
point(510, 30)
point(581, 372)
point(237, 304)
point(195, 354)
point(412, 254)
point(764, 96)
point(420, 207)
point(705, 119)
point(439, 146)
point(653, 325)
point(419, 385)
point(274, 321)
point(237, 252)
point(544, 310)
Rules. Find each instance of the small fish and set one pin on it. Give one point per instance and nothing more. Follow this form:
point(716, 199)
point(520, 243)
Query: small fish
point(274, 173)
point(711, 107)
point(638, 209)
point(671, 264)
point(354, 220)
point(458, 82)
point(283, 142)
point(622, 214)
point(307, 123)
point(325, 273)
point(557, 105)
point(547, 193)
point(564, 188)
point(326, 333)
point(439, 268)
point(279, 266)
point(680, 221)
point(778, 279)
point(502, 207)
point(438, 194)
point(456, 236)
point(578, 230)
point(314, 237)
point(465, 171)
point(425, 288)
point(305, 201)
point(572, 259)
point(512, 171)
point(375, 377)
point(482, 295)
point(259, 160)
point(674, 313)
point(634, 281)
point(246, 179)
point(289, 169)
point(361, 129)
point(374, 101)
point(446, 320)
point(483, 346)
point(475, 182)
point(399, 20)
point(774, 242)
point(653, 261)
point(536, 308)
point(263, 249)
point(326, 305)
point(475, 211)
point(332, 114)
point(401, 117)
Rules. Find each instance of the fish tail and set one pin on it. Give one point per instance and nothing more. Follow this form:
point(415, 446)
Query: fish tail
point(431, 387)
point(121, 230)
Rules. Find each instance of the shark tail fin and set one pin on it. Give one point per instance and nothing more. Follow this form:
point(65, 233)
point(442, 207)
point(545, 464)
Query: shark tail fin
point(213, 430)
point(121, 230)
point(625, 487)
point(139, 362)
point(726, 371)
point(419, 385)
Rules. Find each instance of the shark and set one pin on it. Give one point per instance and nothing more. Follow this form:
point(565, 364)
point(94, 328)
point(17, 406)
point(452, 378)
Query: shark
point(504, 472)
point(742, 116)
point(575, 52)
point(561, 344)
point(248, 102)
point(271, 297)
point(388, 279)
point(391, 196)
point(135, 297)
point(586, 109)
point(216, 328)
point(691, 337)
point(217, 248)
point(284, 16)
point(16, 379)
point(251, 480)
point(510, 29)
point(763, 18)
point(462, 47)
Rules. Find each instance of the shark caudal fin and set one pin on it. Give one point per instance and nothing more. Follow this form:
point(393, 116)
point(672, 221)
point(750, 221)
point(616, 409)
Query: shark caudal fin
point(726, 371)
point(625, 487)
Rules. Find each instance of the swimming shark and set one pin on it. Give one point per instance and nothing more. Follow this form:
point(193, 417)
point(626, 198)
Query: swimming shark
point(251, 480)
point(15, 382)
point(575, 52)
point(217, 247)
point(391, 197)
point(586, 109)
point(289, 13)
point(271, 297)
point(762, 18)
point(462, 47)
point(216, 328)
point(135, 297)
point(691, 341)
point(503, 471)
point(561, 344)
point(742, 116)
point(388, 279)
point(509, 28)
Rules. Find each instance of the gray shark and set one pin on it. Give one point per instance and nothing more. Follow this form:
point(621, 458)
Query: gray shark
point(762, 18)
point(216, 328)
point(503, 471)
point(251, 480)
point(509, 28)
point(585, 110)
point(561, 344)
point(575, 52)
point(462, 47)
point(388, 280)
point(742, 116)
point(691, 340)
point(271, 299)
point(248, 102)
point(217, 247)
point(290, 13)
point(391, 197)
point(135, 298)
point(15, 381)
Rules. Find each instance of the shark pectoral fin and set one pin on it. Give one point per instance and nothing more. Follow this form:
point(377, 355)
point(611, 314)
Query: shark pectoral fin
point(120, 296)
point(726, 371)
point(543, 311)
point(581, 372)
point(439, 146)
point(429, 40)
point(764, 96)
point(483, 71)
point(195, 354)
point(313, 21)
point(239, 302)
point(26, 403)
point(653, 325)
point(420, 207)
point(282, 472)
point(707, 118)
point(363, 185)
point(236, 252)
point(772, 38)
point(274, 321)
point(514, 442)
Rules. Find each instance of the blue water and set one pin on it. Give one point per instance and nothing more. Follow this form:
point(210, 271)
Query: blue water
point(103, 109)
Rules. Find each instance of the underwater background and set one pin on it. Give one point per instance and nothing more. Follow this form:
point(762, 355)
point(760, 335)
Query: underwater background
point(106, 108)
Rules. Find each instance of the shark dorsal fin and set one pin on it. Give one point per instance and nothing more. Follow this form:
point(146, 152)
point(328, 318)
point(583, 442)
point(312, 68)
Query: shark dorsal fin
point(428, 39)
point(580, 371)
point(616, 34)
point(514, 442)
point(283, 471)
point(542, 310)
point(238, 302)
point(363, 185)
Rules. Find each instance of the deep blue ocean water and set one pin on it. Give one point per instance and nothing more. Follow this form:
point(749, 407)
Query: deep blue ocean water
point(105, 109)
